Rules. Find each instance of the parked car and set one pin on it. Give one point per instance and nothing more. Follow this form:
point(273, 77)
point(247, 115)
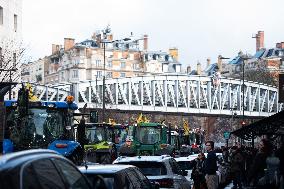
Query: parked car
point(162, 169)
point(186, 164)
point(39, 169)
point(117, 177)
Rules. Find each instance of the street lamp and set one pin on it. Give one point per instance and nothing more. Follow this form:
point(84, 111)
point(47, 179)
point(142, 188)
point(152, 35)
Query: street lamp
point(244, 58)
point(105, 32)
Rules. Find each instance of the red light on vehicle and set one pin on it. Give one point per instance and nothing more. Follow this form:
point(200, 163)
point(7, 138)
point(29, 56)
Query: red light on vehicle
point(59, 145)
point(163, 145)
point(166, 183)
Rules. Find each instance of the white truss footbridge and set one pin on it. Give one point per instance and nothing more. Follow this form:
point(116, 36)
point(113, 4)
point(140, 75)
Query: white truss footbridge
point(171, 94)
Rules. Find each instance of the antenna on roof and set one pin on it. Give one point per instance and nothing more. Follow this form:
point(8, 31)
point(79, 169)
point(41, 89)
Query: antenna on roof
point(86, 166)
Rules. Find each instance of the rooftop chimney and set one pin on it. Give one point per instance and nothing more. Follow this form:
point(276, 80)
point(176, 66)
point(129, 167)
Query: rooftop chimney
point(109, 37)
point(188, 69)
point(198, 69)
point(68, 43)
point(220, 63)
point(259, 37)
point(55, 48)
point(280, 45)
point(145, 42)
point(208, 61)
point(174, 53)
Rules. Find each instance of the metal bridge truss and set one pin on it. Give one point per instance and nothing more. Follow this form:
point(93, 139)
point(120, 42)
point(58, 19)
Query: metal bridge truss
point(46, 93)
point(175, 94)
point(181, 94)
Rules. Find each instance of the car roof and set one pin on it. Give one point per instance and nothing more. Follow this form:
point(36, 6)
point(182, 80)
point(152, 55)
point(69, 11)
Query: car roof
point(17, 158)
point(161, 158)
point(193, 156)
point(187, 158)
point(103, 169)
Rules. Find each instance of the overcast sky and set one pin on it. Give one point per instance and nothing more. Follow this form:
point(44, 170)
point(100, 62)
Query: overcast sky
point(198, 28)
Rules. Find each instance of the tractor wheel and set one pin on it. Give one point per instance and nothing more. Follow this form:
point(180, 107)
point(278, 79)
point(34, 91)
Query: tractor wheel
point(77, 156)
point(90, 156)
point(113, 154)
point(105, 158)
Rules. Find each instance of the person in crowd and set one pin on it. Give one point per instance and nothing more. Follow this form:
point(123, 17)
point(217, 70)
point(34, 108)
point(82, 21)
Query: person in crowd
point(272, 171)
point(198, 172)
point(257, 169)
point(225, 154)
point(280, 154)
point(237, 166)
point(210, 166)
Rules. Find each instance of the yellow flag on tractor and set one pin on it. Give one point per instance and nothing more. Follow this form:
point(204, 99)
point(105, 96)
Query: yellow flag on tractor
point(111, 121)
point(186, 127)
point(32, 97)
point(142, 119)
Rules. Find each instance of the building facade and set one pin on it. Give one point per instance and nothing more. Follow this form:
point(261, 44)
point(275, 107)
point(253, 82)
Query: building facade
point(101, 55)
point(10, 39)
point(33, 72)
point(10, 19)
point(269, 61)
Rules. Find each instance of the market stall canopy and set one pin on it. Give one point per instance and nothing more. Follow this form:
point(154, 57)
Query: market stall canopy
point(273, 125)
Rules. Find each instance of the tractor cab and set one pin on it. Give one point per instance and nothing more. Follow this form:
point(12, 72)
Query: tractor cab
point(99, 132)
point(147, 138)
point(175, 140)
point(100, 147)
point(31, 123)
point(42, 123)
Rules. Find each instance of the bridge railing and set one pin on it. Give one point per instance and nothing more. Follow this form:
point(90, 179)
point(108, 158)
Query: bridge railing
point(184, 94)
point(171, 93)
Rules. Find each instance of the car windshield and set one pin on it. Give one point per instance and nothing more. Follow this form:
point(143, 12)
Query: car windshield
point(185, 165)
point(108, 179)
point(98, 134)
point(148, 135)
point(38, 128)
point(149, 168)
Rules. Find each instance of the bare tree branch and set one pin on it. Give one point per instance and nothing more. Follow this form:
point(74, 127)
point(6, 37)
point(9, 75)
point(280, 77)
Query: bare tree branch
point(12, 55)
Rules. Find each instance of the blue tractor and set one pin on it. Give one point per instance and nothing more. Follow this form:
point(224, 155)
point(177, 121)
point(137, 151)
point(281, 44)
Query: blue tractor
point(41, 124)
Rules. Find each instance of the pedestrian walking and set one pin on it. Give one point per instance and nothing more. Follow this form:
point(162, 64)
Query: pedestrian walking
point(257, 169)
point(280, 154)
point(211, 166)
point(198, 172)
point(237, 167)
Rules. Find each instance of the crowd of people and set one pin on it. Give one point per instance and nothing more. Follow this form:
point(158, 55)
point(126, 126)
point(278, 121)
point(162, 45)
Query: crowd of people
point(248, 167)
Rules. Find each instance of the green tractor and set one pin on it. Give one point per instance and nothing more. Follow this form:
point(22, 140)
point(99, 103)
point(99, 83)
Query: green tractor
point(147, 139)
point(100, 147)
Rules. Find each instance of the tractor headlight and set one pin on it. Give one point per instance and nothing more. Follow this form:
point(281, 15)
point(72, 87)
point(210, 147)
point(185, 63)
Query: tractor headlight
point(51, 105)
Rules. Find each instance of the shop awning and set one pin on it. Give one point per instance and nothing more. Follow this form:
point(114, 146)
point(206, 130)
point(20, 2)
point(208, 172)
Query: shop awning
point(273, 125)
